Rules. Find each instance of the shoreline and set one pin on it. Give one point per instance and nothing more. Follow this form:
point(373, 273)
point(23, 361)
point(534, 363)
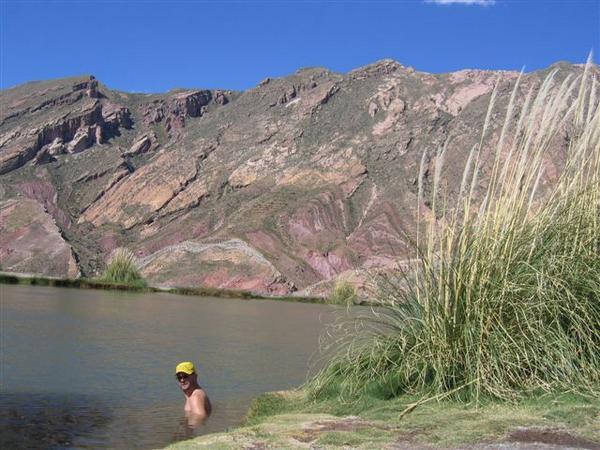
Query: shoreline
point(288, 419)
point(88, 283)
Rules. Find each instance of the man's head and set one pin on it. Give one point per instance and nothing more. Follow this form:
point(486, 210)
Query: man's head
point(186, 375)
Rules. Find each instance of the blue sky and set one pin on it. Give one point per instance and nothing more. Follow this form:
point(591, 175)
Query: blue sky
point(154, 46)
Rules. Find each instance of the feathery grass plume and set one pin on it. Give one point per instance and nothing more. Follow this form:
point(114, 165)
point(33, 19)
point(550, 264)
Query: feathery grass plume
point(123, 268)
point(504, 300)
point(343, 293)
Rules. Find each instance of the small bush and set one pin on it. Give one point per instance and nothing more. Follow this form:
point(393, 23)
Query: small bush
point(123, 268)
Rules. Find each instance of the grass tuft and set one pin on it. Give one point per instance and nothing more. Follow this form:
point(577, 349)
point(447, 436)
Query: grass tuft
point(504, 300)
point(123, 268)
point(343, 293)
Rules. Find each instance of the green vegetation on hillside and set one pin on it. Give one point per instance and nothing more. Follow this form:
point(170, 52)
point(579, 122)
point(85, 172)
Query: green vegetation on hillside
point(505, 299)
point(343, 293)
point(123, 269)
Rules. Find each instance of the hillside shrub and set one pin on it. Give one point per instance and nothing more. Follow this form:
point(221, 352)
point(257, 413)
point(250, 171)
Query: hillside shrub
point(123, 268)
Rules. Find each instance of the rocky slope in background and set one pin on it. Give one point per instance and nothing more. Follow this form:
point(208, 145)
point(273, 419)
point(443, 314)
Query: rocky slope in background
point(280, 188)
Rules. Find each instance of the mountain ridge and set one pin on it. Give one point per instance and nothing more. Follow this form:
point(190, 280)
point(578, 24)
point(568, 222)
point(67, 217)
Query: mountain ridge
point(315, 172)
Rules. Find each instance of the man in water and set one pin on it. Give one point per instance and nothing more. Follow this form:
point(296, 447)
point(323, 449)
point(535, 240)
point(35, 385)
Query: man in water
point(197, 405)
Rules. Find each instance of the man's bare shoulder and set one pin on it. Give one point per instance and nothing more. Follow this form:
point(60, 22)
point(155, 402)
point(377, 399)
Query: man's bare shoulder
point(199, 393)
point(200, 398)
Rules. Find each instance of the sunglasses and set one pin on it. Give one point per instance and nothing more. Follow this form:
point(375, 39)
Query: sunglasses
point(182, 376)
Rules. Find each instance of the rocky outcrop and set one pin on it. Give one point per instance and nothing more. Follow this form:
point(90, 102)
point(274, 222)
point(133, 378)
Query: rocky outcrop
point(128, 203)
point(90, 86)
point(71, 95)
point(45, 194)
point(378, 69)
point(232, 264)
point(142, 144)
point(93, 123)
point(30, 241)
point(174, 109)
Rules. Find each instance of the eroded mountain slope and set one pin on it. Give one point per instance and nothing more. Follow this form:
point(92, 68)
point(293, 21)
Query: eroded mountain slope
point(275, 189)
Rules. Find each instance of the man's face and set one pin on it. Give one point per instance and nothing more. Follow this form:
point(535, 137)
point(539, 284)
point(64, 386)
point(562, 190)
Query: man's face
point(184, 380)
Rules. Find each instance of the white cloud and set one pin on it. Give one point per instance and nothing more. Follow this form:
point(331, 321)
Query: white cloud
point(463, 2)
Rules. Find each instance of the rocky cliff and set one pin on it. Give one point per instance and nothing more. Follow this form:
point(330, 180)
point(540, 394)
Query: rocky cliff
point(280, 188)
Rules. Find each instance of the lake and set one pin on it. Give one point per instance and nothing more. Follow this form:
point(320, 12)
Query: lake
point(95, 369)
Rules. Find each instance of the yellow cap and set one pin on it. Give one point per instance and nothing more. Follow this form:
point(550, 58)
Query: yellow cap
point(185, 367)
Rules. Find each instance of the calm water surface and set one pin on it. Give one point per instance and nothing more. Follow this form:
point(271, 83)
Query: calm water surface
point(94, 369)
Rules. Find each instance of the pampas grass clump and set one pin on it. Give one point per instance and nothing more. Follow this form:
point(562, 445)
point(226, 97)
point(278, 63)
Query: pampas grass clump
point(343, 293)
point(123, 268)
point(505, 299)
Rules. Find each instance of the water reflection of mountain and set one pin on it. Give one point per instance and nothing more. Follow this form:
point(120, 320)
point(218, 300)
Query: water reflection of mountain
point(51, 421)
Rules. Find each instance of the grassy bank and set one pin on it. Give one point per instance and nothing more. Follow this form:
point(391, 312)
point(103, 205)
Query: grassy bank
point(88, 283)
point(292, 420)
